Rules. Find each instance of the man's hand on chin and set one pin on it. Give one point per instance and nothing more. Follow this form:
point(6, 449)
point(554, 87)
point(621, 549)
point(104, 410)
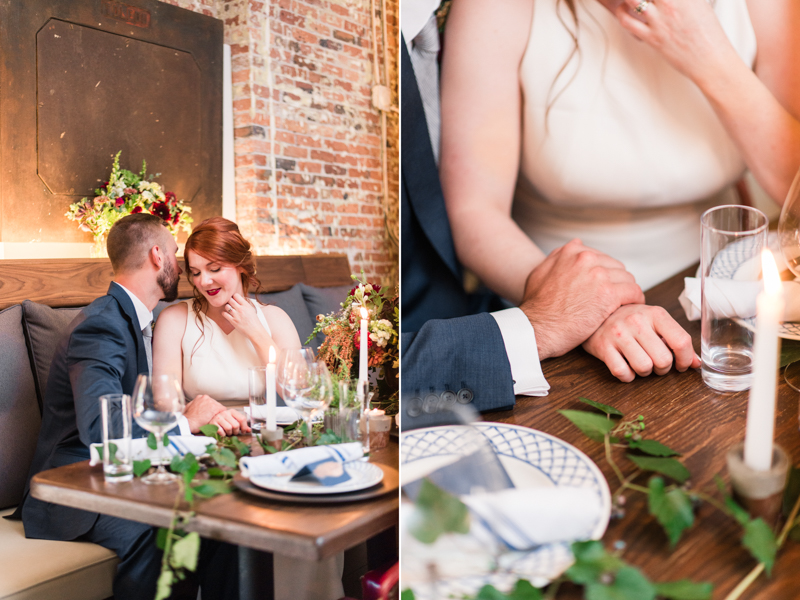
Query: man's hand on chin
point(571, 293)
point(204, 410)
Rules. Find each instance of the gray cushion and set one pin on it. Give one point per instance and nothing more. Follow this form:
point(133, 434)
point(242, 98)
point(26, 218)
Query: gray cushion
point(19, 412)
point(44, 327)
point(292, 302)
point(322, 301)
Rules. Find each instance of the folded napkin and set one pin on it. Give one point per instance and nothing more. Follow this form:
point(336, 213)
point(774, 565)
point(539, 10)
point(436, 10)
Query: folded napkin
point(196, 444)
point(283, 414)
point(523, 519)
point(729, 299)
point(292, 461)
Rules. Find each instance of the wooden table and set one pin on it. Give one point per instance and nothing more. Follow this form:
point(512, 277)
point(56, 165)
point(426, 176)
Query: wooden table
point(307, 531)
point(691, 418)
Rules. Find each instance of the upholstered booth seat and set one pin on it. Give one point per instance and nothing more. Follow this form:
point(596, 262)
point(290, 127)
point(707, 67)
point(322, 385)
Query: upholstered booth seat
point(36, 569)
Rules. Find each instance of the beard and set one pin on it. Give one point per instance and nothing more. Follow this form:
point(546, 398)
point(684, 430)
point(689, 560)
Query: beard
point(168, 281)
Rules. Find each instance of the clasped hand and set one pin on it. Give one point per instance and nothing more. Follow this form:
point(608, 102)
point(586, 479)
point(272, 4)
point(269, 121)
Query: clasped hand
point(204, 410)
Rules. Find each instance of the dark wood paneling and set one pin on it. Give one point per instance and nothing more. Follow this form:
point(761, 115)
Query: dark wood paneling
point(72, 282)
point(82, 79)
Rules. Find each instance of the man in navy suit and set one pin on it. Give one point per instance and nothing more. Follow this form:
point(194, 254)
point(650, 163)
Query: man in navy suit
point(106, 348)
point(453, 351)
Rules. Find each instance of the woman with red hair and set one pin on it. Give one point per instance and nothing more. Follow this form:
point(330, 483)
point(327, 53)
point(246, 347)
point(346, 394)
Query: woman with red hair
point(211, 341)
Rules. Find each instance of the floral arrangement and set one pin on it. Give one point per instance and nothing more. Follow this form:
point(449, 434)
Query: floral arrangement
point(126, 193)
point(341, 347)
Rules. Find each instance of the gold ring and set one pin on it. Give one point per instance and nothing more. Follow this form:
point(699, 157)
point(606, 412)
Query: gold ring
point(641, 8)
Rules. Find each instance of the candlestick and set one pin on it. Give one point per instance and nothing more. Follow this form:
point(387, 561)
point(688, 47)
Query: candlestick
point(761, 405)
point(363, 351)
point(271, 401)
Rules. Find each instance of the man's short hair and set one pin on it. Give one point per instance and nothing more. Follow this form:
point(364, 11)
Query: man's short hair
point(131, 239)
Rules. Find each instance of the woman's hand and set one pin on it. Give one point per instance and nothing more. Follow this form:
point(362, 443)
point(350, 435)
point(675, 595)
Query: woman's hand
point(687, 33)
point(638, 340)
point(242, 315)
point(204, 410)
point(230, 422)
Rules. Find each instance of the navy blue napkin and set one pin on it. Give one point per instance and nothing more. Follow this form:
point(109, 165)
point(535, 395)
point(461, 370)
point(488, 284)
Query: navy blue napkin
point(326, 471)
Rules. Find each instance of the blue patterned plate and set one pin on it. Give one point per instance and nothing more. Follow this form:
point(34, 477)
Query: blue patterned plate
point(532, 459)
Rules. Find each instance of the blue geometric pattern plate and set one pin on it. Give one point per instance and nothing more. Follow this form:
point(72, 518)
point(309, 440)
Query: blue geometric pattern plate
point(532, 459)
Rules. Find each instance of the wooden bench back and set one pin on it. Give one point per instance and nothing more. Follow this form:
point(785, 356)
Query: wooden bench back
point(76, 282)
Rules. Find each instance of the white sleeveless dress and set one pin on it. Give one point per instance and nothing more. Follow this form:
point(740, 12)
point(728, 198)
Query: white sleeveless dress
point(632, 153)
point(218, 368)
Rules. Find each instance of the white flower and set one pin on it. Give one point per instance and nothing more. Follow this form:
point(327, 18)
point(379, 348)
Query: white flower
point(148, 196)
point(144, 185)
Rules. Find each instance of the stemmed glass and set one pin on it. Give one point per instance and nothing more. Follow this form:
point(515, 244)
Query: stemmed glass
point(789, 237)
point(157, 403)
point(306, 385)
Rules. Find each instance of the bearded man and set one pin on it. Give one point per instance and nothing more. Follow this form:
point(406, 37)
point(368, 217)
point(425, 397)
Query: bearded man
point(104, 350)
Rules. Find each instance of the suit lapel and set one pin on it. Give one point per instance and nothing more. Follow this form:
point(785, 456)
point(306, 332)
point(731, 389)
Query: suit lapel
point(419, 172)
point(129, 311)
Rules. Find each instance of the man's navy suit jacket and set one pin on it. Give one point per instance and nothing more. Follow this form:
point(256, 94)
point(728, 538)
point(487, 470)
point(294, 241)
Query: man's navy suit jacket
point(446, 342)
point(103, 353)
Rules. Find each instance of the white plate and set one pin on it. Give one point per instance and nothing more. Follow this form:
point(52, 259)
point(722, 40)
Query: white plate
point(727, 264)
point(532, 459)
point(363, 475)
point(283, 415)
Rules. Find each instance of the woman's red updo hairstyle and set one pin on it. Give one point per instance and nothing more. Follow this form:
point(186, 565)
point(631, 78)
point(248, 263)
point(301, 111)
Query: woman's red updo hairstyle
point(219, 240)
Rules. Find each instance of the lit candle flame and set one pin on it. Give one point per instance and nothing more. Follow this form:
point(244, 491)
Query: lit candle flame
point(364, 313)
point(272, 354)
point(772, 279)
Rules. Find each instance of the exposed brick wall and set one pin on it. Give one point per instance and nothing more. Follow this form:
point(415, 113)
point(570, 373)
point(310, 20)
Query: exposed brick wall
point(326, 195)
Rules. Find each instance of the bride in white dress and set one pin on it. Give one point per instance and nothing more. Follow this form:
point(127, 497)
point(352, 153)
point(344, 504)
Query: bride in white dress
point(211, 341)
point(591, 119)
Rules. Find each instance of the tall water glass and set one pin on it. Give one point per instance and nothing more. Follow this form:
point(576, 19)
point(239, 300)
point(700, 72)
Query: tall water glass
point(158, 402)
point(731, 241)
point(116, 417)
point(257, 384)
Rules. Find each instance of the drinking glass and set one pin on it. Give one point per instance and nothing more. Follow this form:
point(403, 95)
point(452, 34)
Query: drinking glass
point(304, 385)
point(789, 238)
point(732, 238)
point(157, 403)
point(115, 412)
point(257, 386)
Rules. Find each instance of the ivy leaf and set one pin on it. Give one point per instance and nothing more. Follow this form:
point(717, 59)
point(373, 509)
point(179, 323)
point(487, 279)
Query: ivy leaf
point(652, 447)
point(629, 584)
point(185, 551)
point(164, 585)
point(792, 490)
point(672, 509)
point(591, 561)
point(685, 590)
point(609, 410)
point(523, 590)
point(224, 458)
point(666, 466)
point(593, 426)
point(218, 473)
point(212, 487)
point(161, 538)
point(790, 352)
point(165, 440)
point(407, 595)
point(760, 542)
point(437, 512)
point(152, 443)
point(140, 467)
point(210, 430)
point(328, 438)
point(242, 448)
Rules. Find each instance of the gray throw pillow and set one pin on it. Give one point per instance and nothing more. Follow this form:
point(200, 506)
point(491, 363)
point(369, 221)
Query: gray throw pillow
point(19, 412)
point(292, 302)
point(44, 328)
point(322, 301)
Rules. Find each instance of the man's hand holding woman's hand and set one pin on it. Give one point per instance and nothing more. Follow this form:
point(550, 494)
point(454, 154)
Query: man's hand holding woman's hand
point(204, 410)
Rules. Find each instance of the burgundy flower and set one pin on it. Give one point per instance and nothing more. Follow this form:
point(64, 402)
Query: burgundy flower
point(170, 196)
point(160, 209)
point(136, 209)
point(357, 341)
point(176, 218)
point(120, 201)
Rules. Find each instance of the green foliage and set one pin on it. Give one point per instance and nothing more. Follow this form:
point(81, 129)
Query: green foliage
point(790, 352)
point(164, 585)
point(212, 487)
point(684, 590)
point(523, 590)
point(140, 467)
point(673, 509)
point(407, 595)
point(437, 512)
point(591, 562)
point(609, 410)
point(185, 552)
point(152, 442)
point(628, 584)
point(652, 447)
point(593, 426)
point(760, 541)
point(327, 438)
point(211, 431)
point(666, 466)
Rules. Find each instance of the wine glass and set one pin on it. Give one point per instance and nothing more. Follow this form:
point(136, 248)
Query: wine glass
point(157, 403)
point(306, 385)
point(789, 238)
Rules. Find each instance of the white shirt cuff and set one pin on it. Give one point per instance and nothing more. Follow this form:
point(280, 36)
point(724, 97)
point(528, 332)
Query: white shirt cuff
point(183, 425)
point(523, 355)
